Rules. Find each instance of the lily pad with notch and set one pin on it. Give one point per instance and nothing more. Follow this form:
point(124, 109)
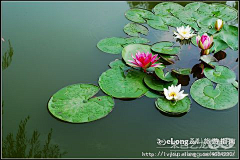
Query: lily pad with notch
point(166, 48)
point(165, 77)
point(167, 8)
point(134, 29)
point(75, 104)
point(139, 15)
point(207, 59)
point(157, 23)
point(223, 96)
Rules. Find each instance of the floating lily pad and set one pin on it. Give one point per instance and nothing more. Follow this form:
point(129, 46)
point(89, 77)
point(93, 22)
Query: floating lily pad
point(220, 74)
point(218, 45)
point(133, 29)
point(170, 107)
point(167, 8)
point(208, 58)
point(224, 96)
point(172, 21)
point(74, 104)
point(187, 17)
point(117, 63)
point(132, 49)
point(151, 94)
point(167, 58)
point(114, 45)
point(167, 77)
point(235, 84)
point(119, 85)
point(138, 15)
point(166, 48)
point(182, 71)
point(157, 84)
point(194, 41)
point(157, 23)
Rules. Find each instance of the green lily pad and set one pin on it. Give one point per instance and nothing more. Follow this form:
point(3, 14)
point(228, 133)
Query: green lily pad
point(218, 45)
point(132, 49)
point(138, 15)
point(166, 48)
point(194, 41)
point(220, 74)
point(133, 29)
point(170, 107)
point(119, 85)
point(172, 21)
point(208, 58)
point(167, 58)
point(182, 71)
point(228, 34)
point(224, 96)
point(74, 104)
point(167, 8)
point(187, 17)
point(157, 23)
point(157, 84)
point(117, 63)
point(151, 94)
point(167, 77)
point(235, 84)
point(114, 45)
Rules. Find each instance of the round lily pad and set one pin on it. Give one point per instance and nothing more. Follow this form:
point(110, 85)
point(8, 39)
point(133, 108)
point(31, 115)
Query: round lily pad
point(167, 8)
point(116, 83)
point(224, 96)
point(133, 29)
point(171, 107)
point(220, 74)
point(182, 71)
point(172, 21)
point(166, 48)
point(138, 15)
point(74, 104)
point(157, 23)
point(167, 77)
point(169, 59)
point(157, 84)
point(151, 94)
point(132, 49)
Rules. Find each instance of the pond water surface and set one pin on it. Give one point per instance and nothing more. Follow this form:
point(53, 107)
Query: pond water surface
point(55, 45)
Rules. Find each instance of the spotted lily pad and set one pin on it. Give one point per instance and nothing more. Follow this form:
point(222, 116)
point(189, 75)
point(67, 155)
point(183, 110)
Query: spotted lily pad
point(167, 77)
point(114, 45)
point(165, 48)
point(224, 96)
point(74, 104)
point(133, 29)
point(132, 49)
point(157, 84)
point(167, 8)
point(220, 74)
point(119, 85)
point(171, 107)
point(138, 15)
point(182, 71)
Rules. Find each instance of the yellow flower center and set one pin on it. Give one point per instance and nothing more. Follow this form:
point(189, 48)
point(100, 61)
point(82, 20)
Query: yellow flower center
point(172, 94)
point(184, 32)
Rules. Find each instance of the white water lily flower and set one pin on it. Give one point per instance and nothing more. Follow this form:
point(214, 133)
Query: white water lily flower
point(184, 33)
point(173, 93)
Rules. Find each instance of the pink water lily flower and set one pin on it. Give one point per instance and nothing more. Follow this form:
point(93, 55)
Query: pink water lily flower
point(145, 60)
point(205, 42)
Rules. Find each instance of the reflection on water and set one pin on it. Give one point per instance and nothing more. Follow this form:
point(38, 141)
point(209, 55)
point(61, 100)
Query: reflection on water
point(7, 57)
point(23, 147)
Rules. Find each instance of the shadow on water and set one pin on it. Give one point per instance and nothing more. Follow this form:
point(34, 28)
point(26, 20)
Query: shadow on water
point(23, 147)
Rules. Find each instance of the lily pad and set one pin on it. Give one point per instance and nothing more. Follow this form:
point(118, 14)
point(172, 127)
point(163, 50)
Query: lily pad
point(157, 23)
point(218, 45)
point(138, 15)
point(132, 49)
point(151, 94)
point(170, 107)
point(187, 17)
point(182, 71)
point(167, 58)
point(117, 63)
point(220, 74)
point(172, 21)
point(167, 77)
point(167, 8)
point(166, 48)
point(119, 85)
point(74, 104)
point(114, 45)
point(235, 84)
point(194, 41)
point(224, 96)
point(157, 84)
point(133, 29)
point(208, 58)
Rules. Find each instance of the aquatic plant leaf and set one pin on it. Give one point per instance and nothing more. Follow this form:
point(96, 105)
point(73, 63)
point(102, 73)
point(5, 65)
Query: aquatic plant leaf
point(151, 94)
point(167, 77)
point(166, 48)
point(114, 83)
point(218, 45)
point(182, 71)
point(228, 34)
point(224, 96)
point(168, 58)
point(172, 21)
point(132, 49)
point(138, 15)
point(157, 23)
point(194, 41)
point(117, 63)
point(133, 29)
point(208, 58)
point(220, 74)
point(114, 45)
point(157, 84)
point(74, 104)
point(167, 8)
point(170, 107)
point(235, 84)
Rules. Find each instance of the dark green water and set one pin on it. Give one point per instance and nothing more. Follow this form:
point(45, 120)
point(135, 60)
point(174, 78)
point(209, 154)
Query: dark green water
point(55, 45)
